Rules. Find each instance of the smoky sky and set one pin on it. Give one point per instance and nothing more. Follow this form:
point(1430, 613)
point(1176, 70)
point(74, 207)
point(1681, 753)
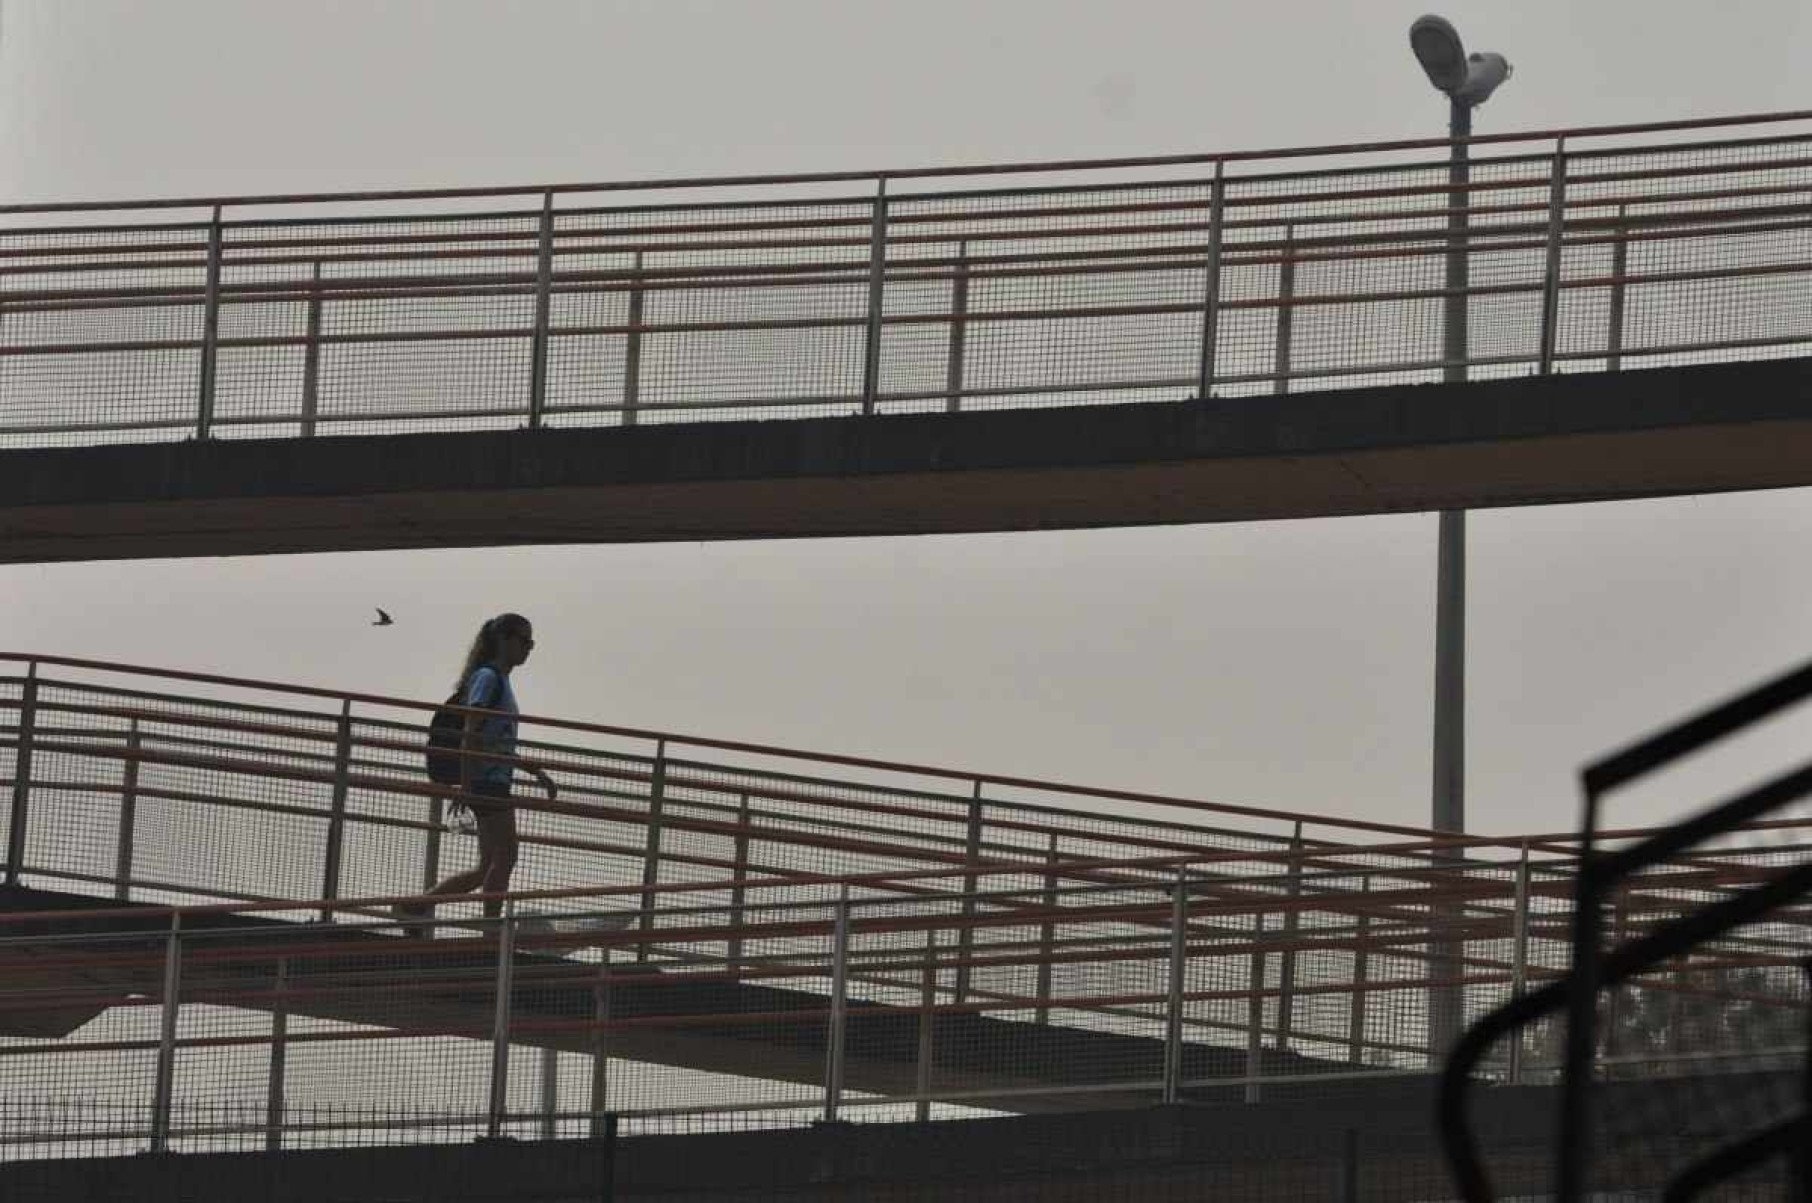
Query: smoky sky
point(1284, 664)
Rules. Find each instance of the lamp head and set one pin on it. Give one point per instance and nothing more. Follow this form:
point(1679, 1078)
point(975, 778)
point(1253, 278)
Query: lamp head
point(1437, 46)
point(1468, 78)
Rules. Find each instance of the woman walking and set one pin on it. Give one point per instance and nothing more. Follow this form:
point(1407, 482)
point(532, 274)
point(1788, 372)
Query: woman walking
point(488, 759)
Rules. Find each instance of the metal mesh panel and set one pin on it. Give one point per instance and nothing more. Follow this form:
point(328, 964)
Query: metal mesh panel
point(706, 304)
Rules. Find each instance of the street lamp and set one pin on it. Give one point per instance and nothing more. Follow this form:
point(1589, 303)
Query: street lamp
point(1467, 80)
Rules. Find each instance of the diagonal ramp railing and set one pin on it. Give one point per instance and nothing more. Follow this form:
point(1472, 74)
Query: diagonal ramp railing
point(930, 290)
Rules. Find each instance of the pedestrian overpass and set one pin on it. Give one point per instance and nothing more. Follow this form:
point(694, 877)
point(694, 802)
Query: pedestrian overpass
point(1193, 338)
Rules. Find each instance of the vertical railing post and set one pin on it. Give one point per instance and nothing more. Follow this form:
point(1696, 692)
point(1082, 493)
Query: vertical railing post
point(651, 853)
point(1047, 932)
point(1550, 288)
point(600, 1051)
point(1286, 312)
point(336, 816)
point(500, 1020)
point(122, 860)
point(210, 333)
point(739, 873)
point(959, 329)
point(550, 1092)
point(15, 829)
point(1211, 281)
point(274, 1082)
point(965, 938)
point(1173, 1003)
point(1620, 264)
point(1519, 961)
point(927, 1024)
point(311, 355)
point(1286, 972)
point(1355, 1021)
point(544, 279)
point(632, 345)
point(839, 1010)
point(1616, 1002)
point(164, 1076)
point(877, 278)
point(1255, 1010)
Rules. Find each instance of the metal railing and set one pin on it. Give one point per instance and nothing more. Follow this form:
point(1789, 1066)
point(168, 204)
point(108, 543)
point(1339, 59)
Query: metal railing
point(902, 291)
point(734, 934)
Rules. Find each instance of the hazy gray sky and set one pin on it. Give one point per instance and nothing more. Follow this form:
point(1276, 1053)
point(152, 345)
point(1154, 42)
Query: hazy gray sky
point(1280, 664)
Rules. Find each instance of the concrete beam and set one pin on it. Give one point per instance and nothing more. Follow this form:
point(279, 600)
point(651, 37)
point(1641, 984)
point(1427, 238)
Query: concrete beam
point(1523, 441)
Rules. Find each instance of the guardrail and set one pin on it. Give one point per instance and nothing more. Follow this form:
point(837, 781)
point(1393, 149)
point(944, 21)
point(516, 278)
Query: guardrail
point(975, 943)
point(232, 1028)
point(145, 784)
point(901, 291)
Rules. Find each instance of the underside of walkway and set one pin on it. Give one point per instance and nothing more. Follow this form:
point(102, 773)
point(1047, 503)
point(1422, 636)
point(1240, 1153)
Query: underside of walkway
point(1538, 439)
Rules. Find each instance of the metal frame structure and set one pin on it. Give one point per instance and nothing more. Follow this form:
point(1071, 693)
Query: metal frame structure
point(931, 290)
point(785, 937)
point(1694, 937)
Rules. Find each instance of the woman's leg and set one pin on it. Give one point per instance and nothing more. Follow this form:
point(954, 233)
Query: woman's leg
point(469, 880)
point(497, 836)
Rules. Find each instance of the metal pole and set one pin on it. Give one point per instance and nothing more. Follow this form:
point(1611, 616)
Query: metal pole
point(15, 828)
point(1449, 777)
point(877, 279)
point(1450, 597)
point(273, 1087)
point(544, 278)
point(1550, 289)
point(500, 1020)
point(833, 1055)
point(1047, 933)
point(1519, 961)
point(1255, 1010)
point(1286, 313)
point(651, 853)
point(1620, 262)
point(122, 862)
point(965, 936)
point(959, 328)
point(927, 1023)
point(739, 874)
point(1361, 968)
point(1286, 971)
point(336, 816)
point(311, 355)
point(1173, 1003)
point(550, 1092)
point(210, 333)
point(600, 1053)
point(1211, 281)
point(632, 347)
point(164, 1080)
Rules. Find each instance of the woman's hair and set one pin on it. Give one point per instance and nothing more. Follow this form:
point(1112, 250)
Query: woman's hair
point(487, 643)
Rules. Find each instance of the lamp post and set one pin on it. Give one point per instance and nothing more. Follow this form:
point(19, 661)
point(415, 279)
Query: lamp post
point(1467, 80)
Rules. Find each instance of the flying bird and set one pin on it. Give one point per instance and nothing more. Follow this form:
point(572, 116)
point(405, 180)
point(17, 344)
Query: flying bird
point(383, 619)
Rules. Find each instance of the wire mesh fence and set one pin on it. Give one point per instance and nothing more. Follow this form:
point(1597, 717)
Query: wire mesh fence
point(928, 291)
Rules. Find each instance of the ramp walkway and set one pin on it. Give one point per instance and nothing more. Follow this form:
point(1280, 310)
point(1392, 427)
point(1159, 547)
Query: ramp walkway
point(703, 929)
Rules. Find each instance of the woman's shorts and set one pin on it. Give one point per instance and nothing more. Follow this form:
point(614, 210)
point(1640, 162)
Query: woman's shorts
point(489, 797)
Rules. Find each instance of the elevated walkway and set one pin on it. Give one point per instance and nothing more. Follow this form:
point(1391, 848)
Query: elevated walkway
point(1198, 338)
